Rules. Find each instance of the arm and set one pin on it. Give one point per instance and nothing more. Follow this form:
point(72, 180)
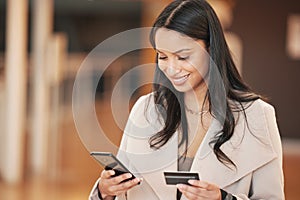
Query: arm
point(267, 181)
point(95, 193)
point(108, 187)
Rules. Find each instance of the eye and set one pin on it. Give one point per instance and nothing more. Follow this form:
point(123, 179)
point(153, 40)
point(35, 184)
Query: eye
point(183, 58)
point(162, 57)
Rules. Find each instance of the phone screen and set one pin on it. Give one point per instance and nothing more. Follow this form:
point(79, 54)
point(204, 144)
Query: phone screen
point(110, 162)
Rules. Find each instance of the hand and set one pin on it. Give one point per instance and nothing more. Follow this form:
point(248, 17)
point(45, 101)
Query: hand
point(200, 190)
point(112, 186)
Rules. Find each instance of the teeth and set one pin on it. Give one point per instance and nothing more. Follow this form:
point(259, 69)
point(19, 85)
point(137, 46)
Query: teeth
point(180, 77)
point(180, 80)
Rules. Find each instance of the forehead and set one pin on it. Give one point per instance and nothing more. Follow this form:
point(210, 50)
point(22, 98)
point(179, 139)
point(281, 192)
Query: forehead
point(172, 41)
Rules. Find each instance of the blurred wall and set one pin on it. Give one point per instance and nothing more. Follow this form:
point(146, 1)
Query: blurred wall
point(262, 26)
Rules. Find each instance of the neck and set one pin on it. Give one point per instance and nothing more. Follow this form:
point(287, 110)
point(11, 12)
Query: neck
point(194, 99)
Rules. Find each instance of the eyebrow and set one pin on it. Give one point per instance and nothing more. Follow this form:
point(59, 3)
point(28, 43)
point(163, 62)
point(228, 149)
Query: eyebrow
point(178, 51)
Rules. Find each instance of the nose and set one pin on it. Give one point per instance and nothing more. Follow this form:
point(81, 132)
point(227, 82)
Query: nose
point(173, 68)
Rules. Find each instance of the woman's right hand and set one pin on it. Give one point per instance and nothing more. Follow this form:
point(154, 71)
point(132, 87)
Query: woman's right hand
point(111, 186)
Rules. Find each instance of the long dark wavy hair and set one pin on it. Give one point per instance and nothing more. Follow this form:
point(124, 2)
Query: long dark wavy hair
point(197, 19)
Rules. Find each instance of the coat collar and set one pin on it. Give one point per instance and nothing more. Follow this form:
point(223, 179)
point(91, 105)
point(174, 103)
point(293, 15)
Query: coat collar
point(248, 140)
point(249, 148)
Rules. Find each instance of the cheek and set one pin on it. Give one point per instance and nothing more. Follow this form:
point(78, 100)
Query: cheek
point(163, 68)
point(201, 66)
point(162, 65)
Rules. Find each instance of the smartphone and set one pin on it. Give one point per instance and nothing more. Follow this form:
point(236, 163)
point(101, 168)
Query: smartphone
point(173, 178)
point(110, 162)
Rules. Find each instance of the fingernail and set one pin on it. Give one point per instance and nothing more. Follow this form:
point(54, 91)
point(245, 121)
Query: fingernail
point(191, 182)
point(136, 180)
point(179, 186)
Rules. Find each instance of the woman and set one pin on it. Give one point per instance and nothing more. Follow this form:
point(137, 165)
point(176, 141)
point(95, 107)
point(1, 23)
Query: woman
point(200, 117)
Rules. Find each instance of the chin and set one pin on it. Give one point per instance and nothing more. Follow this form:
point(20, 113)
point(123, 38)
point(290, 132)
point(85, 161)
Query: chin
point(182, 89)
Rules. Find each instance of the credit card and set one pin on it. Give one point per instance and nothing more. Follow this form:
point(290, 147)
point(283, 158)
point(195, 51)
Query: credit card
point(173, 178)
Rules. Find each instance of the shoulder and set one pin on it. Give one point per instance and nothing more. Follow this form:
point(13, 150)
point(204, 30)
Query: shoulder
point(252, 111)
point(259, 121)
point(144, 110)
point(256, 127)
point(259, 112)
point(261, 117)
point(259, 105)
point(143, 102)
point(144, 120)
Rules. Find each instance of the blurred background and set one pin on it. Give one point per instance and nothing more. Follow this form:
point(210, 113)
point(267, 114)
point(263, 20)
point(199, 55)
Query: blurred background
point(44, 42)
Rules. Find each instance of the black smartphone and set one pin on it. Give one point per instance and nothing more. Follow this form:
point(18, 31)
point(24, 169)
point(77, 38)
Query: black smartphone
point(173, 178)
point(110, 162)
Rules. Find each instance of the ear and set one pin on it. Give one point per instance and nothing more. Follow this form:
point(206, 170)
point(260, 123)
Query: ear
point(207, 45)
point(208, 50)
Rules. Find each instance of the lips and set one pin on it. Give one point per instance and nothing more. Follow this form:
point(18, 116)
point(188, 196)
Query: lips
point(180, 80)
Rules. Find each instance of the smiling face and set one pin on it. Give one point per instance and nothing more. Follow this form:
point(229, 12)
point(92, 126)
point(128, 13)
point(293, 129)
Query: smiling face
point(182, 59)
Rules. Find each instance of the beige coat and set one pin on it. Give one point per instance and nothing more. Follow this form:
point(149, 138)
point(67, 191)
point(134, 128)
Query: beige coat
point(257, 154)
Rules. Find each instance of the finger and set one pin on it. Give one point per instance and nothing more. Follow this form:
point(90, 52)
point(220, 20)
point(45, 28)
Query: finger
point(118, 179)
point(132, 183)
point(190, 195)
point(105, 174)
point(199, 195)
point(123, 187)
point(192, 190)
point(203, 184)
point(186, 191)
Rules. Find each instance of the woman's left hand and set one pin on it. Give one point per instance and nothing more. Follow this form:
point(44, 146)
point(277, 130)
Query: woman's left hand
point(200, 190)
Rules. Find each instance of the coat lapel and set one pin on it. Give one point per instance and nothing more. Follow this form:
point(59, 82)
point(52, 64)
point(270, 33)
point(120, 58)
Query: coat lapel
point(249, 148)
point(151, 164)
